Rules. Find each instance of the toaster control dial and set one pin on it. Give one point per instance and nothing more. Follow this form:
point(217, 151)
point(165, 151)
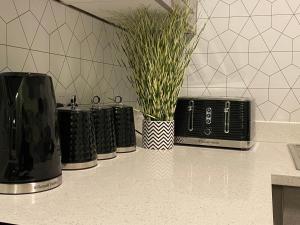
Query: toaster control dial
point(207, 131)
point(208, 115)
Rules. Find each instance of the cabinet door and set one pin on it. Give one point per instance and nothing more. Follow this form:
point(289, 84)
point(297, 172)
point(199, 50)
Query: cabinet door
point(291, 206)
point(106, 9)
point(277, 197)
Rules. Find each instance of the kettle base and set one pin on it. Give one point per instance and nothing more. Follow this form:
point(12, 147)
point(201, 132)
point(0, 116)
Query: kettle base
point(28, 188)
point(126, 149)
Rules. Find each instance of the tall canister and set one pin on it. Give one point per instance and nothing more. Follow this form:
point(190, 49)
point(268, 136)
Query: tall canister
point(103, 119)
point(124, 126)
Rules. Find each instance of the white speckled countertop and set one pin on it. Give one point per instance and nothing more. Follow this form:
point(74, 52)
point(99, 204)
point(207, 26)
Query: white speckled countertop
point(189, 185)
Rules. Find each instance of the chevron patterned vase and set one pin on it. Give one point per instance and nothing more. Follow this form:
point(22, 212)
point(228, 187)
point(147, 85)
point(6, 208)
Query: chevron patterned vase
point(158, 135)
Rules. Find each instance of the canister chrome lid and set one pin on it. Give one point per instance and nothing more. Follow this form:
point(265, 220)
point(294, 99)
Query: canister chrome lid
point(95, 101)
point(70, 109)
point(73, 107)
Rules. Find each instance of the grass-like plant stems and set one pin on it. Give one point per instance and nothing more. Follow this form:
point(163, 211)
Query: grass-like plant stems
point(158, 50)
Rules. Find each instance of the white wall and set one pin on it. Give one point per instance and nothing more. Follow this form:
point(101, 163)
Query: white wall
point(249, 48)
point(76, 50)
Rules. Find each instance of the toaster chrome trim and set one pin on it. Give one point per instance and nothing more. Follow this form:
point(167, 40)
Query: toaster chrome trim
point(191, 115)
point(241, 99)
point(110, 155)
point(214, 142)
point(27, 188)
point(79, 166)
point(126, 149)
point(227, 117)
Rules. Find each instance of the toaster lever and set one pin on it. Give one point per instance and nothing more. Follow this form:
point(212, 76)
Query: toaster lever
point(191, 115)
point(227, 117)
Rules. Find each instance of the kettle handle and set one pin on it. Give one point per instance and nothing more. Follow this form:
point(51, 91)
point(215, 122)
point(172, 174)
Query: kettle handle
point(12, 131)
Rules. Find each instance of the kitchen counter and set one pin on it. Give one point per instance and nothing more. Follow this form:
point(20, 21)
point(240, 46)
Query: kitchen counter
point(188, 185)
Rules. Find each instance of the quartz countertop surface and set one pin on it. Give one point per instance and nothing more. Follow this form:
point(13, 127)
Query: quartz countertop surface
point(188, 185)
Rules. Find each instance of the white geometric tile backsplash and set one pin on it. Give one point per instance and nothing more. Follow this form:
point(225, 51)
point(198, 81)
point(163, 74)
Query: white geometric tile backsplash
point(249, 48)
point(75, 49)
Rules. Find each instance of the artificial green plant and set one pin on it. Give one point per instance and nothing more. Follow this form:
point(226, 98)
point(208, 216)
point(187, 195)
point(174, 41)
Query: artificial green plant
point(158, 49)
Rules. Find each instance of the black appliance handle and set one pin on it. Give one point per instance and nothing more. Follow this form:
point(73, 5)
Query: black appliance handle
point(12, 132)
point(12, 126)
point(227, 117)
point(190, 110)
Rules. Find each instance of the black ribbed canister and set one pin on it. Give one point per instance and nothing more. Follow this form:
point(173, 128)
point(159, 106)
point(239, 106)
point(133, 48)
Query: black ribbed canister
point(125, 128)
point(77, 138)
point(103, 118)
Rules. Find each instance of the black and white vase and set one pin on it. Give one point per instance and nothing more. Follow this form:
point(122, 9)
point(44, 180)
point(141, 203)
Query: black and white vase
point(158, 135)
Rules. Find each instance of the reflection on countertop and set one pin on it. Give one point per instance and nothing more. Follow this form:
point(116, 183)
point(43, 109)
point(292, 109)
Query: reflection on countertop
point(188, 185)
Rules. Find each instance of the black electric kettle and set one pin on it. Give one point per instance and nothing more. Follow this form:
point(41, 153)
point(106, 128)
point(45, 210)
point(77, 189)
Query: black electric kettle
point(29, 153)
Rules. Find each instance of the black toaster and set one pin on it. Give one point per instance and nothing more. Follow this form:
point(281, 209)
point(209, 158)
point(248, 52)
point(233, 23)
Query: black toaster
point(219, 122)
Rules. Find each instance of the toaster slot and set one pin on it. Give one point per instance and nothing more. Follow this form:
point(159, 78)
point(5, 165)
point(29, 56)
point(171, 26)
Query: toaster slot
point(191, 115)
point(227, 117)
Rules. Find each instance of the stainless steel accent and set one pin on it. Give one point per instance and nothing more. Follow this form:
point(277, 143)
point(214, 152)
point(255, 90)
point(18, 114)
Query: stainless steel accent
point(191, 115)
point(118, 99)
point(76, 109)
point(219, 98)
point(126, 149)
point(214, 142)
point(95, 100)
point(207, 131)
point(79, 166)
point(106, 156)
point(295, 153)
point(73, 102)
point(208, 115)
point(27, 188)
point(227, 117)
